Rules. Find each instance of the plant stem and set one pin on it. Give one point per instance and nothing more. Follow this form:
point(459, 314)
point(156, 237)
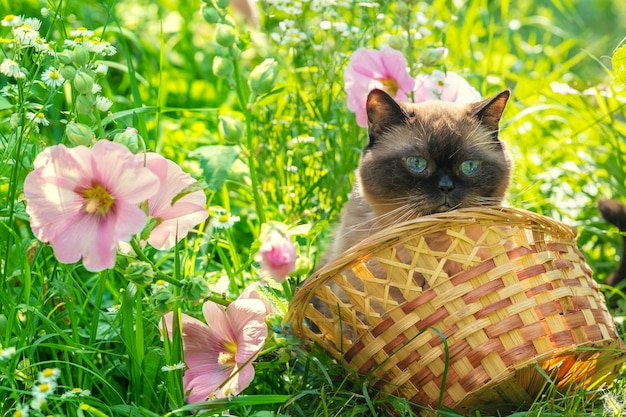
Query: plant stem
point(245, 107)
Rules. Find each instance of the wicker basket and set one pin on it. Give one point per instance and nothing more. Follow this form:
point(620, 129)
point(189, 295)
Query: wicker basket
point(465, 309)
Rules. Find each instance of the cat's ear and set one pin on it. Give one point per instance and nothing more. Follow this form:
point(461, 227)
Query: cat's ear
point(489, 111)
point(383, 112)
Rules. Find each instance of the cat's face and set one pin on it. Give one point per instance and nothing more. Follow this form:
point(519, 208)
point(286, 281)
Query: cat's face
point(432, 157)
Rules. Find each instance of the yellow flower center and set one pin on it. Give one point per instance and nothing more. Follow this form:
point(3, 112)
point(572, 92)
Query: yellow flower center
point(160, 283)
point(223, 218)
point(441, 83)
point(98, 200)
point(48, 372)
point(43, 388)
point(228, 357)
point(9, 17)
point(40, 115)
point(18, 413)
point(390, 86)
point(82, 28)
point(54, 75)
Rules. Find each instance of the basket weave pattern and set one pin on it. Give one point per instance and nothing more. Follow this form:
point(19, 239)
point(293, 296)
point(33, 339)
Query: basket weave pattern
point(469, 304)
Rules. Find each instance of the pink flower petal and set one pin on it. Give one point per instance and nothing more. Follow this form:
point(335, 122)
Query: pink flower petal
point(57, 201)
point(251, 292)
point(219, 355)
point(203, 378)
point(178, 219)
point(277, 256)
point(237, 382)
point(118, 171)
point(219, 322)
point(369, 69)
point(448, 86)
point(247, 318)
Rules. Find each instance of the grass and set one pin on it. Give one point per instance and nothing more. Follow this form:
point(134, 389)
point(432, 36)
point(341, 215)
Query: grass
point(292, 164)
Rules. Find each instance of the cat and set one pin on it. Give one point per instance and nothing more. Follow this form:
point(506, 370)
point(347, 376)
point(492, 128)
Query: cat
point(420, 159)
point(615, 213)
point(424, 158)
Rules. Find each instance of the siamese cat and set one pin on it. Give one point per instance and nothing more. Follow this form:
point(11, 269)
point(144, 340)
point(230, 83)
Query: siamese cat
point(424, 158)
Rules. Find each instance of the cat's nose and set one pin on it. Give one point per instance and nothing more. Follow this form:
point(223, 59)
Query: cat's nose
point(445, 184)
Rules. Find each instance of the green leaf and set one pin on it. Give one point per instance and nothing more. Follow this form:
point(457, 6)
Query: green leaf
point(5, 104)
point(191, 188)
point(619, 64)
point(152, 363)
point(216, 162)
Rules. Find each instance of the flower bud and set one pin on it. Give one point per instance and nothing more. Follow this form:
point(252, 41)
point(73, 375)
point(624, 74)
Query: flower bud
point(222, 3)
point(277, 255)
point(263, 77)
point(222, 67)
point(85, 103)
point(139, 273)
point(128, 138)
point(225, 35)
point(65, 57)
point(396, 42)
point(163, 300)
point(83, 82)
point(210, 13)
point(402, 9)
point(79, 134)
point(68, 72)
point(303, 266)
point(80, 56)
point(431, 56)
point(194, 289)
point(230, 128)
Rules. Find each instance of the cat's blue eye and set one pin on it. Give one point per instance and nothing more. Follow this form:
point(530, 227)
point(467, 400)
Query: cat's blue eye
point(416, 164)
point(470, 167)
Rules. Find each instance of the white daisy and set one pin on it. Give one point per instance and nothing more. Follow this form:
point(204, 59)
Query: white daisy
point(33, 22)
point(103, 103)
point(11, 68)
point(81, 32)
point(52, 78)
point(175, 367)
point(12, 20)
point(38, 118)
point(48, 375)
point(21, 411)
point(221, 218)
point(7, 353)
point(102, 69)
point(43, 390)
point(25, 35)
point(76, 392)
point(40, 45)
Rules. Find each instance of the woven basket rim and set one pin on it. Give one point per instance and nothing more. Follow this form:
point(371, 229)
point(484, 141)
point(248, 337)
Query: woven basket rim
point(401, 232)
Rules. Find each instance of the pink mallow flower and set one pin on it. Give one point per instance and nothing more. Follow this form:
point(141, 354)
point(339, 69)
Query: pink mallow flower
point(370, 69)
point(175, 220)
point(277, 255)
point(219, 354)
point(84, 201)
point(445, 86)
